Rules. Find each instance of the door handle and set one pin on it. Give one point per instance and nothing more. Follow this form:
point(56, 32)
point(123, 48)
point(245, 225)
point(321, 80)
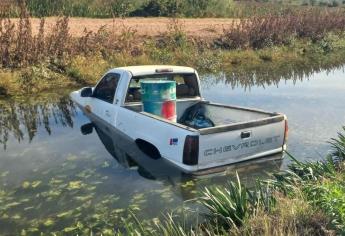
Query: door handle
point(107, 113)
point(246, 134)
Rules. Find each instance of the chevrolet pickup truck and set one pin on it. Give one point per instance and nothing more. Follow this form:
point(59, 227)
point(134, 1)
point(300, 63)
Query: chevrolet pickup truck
point(237, 134)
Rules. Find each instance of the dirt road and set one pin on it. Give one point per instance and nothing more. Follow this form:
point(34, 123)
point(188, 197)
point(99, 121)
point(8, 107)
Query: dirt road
point(204, 27)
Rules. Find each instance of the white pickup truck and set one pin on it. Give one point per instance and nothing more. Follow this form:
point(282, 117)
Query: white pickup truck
point(236, 134)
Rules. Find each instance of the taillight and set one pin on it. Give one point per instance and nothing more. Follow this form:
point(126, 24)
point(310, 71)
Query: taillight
point(191, 150)
point(286, 131)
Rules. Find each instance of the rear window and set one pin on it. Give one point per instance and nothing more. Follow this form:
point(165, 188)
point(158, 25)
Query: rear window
point(186, 85)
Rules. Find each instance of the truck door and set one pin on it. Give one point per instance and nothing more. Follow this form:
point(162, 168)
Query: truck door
point(104, 102)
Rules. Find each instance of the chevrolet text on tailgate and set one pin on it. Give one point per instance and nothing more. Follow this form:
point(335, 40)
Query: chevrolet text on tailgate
point(162, 110)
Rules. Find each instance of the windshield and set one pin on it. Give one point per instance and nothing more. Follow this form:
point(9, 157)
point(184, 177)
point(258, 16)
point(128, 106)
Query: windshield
point(186, 85)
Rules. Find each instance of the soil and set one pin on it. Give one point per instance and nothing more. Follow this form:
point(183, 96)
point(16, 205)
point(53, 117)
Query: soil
point(206, 28)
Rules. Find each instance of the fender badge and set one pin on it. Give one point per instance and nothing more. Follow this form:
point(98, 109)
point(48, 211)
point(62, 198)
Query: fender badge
point(173, 141)
point(88, 108)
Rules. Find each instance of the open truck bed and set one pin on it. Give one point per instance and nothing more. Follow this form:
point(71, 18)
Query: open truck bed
point(223, 116)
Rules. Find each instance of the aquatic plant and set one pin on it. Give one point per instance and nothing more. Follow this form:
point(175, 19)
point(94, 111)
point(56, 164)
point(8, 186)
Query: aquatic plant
point(229, 205)
point(338, 145)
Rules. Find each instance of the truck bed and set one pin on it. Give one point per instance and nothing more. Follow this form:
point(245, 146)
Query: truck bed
point(221, 115)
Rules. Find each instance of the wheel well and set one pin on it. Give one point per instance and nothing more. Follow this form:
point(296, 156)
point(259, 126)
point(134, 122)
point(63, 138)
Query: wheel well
point(148, 148)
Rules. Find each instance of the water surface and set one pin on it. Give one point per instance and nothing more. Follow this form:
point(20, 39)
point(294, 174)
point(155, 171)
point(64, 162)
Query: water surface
point(54, 178)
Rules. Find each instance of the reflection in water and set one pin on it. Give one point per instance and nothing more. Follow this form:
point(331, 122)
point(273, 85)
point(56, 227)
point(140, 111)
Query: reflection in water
point(264, 77)
point(127, 154)
point(25, 117)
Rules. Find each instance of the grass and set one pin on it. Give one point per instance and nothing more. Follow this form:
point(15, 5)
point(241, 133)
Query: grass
point(291, 216)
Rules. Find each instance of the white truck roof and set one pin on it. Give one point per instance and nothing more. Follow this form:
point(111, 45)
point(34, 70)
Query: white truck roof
point(152, 69)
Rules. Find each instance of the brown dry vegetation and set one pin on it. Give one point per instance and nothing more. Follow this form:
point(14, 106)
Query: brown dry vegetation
point(55, 50)
point(27, 41)
point(266, 31)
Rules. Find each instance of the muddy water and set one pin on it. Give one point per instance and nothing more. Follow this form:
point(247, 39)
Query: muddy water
point(55, 178)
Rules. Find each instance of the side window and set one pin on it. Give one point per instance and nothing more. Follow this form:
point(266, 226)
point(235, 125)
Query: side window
point(106, 88)
point(134, 91)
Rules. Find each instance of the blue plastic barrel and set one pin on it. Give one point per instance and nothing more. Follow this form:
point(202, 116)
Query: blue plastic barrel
point(159, 98)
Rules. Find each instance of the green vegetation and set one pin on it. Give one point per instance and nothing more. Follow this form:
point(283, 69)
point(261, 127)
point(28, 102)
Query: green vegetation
point(306, 199)
point(121, 8)
point(183, 8)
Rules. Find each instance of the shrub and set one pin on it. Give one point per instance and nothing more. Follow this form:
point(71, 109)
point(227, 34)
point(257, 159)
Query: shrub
point(206, 8)
point(264, 31)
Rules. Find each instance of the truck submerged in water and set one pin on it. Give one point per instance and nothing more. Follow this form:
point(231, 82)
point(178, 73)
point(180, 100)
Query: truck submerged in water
point(203, 136)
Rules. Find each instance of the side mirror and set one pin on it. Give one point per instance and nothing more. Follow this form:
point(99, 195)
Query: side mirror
point(86, 92)
point(86, 129)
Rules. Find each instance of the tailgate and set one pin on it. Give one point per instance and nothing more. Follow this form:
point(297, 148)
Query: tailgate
point(239, 142)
